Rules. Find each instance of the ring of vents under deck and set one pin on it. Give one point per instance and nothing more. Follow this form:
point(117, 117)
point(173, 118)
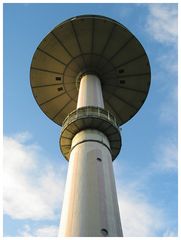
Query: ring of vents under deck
point(90, 75)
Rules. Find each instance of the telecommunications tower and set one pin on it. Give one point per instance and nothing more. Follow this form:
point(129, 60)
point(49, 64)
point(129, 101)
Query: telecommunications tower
point(90, 75)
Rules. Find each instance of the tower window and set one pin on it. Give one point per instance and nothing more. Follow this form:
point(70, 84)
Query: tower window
point(99, 159)
point(104, 232)
point(58, 78)
point(122, 81)
point(121, 70)
point(60, 89)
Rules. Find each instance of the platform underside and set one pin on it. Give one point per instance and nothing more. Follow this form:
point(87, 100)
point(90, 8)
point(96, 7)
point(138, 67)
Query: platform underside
point(90, 44)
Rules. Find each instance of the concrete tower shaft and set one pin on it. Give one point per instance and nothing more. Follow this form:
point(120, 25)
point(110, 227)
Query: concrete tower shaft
point(90, 92)
point(90, 206)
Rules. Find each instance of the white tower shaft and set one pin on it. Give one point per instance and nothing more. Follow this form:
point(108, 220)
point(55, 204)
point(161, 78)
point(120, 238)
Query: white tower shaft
point(90, 206)
point(90, 92)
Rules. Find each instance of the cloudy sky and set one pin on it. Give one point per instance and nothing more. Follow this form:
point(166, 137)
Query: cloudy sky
point(145, 170)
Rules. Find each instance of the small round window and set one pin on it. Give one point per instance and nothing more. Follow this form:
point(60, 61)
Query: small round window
point(104, 232)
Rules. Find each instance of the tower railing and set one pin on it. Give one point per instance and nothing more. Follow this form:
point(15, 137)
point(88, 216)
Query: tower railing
point(90, 111)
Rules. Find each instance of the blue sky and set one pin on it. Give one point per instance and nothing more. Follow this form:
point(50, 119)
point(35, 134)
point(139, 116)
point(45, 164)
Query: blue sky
point(146, 168)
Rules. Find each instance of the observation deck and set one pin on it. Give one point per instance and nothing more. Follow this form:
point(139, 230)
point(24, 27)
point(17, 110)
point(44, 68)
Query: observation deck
point(90, 117)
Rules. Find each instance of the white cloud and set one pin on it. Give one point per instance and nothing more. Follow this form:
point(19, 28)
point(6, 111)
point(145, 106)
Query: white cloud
point(166, 153)
point(43, 231)
point(170, 233)
point(166, 80)
point(168, 62)
point(168, 87)
point(31, 190)
point(36, 199)
point(162, 23)
point(25, 232)
point(139, 217)
point(22, 137)
point(168, 111)
point(47, 231)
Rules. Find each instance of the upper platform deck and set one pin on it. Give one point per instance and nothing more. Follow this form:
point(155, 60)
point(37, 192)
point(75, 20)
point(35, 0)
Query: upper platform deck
point(90, 44)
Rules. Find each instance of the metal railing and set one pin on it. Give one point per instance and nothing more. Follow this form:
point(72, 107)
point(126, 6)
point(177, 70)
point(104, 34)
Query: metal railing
point(90, 111)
